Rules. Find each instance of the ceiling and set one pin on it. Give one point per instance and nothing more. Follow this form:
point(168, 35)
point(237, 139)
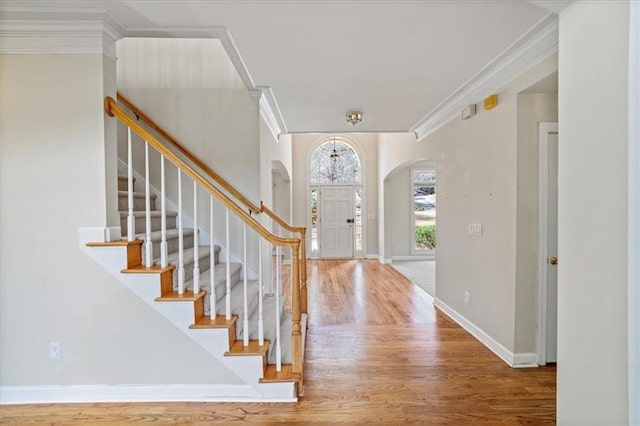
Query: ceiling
point(395, 61)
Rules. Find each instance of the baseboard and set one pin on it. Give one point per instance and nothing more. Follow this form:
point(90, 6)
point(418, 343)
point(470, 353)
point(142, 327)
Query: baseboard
point(525, 360)
point(521, 360)
point(372, 256)
point(383, 260)
point(131, 393)
point(416, 257)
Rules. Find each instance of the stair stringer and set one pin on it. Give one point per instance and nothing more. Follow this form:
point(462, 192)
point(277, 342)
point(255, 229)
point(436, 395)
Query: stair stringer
point(146, 286)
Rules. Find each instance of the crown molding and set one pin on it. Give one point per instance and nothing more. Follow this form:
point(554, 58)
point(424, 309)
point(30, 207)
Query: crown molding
point(45, 31)
point(527, 51)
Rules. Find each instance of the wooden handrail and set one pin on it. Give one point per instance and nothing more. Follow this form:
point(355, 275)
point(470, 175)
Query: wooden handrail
point(278, 219)
point(219, 179)
point(112, 109)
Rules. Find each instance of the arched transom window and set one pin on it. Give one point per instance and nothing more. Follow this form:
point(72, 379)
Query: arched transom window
point(335, 161)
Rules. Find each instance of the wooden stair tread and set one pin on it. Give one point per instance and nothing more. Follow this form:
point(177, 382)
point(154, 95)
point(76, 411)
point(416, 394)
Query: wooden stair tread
point(118, 243)
point(285, 375)
point(140, 269)
point(219, 322)
point(186, 296)
point(238, 349)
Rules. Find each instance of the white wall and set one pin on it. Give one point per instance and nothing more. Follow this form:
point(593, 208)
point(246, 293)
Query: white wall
point(366, 144)
point(533, 108)
point(592, 243)
point(191, 88)
point(476, 164)
point(52, 165)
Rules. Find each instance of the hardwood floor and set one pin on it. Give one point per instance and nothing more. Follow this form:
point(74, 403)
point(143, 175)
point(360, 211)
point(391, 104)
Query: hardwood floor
point(377, 352)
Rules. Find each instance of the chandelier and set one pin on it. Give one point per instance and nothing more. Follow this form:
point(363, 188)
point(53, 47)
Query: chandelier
point(334, 154)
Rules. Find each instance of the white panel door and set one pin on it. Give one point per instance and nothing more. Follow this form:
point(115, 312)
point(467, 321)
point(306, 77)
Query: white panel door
point(552, 249)
point(336, 221)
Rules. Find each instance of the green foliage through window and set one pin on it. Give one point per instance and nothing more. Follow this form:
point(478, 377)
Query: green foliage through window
point(426, 237)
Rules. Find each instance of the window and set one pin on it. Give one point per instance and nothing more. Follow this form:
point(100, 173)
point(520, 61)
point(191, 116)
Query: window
point(335, 161)
point(424, 209)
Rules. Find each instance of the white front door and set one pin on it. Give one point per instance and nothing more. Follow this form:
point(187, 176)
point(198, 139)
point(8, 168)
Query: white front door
point(336, 216)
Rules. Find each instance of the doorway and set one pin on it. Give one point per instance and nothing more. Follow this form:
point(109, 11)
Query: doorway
point(548, 242)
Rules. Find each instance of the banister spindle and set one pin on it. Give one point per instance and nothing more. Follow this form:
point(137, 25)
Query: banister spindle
point(180, 238)
point(278, 319)
point(245, 300)
point(212, 264)
point(148, 244)
point(163, 217)
point(131, 220)
point(260, 295)
point(228, 260)
point(196, 259)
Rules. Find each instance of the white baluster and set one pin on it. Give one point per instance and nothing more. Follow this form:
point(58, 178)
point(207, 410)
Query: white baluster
point(148, 245)
point(180, 238)
point(245, 305)
point(228, 253)
point(260, 295)
point(163, 217)
point(131, 220)
point(278, 293)
point(278, 265)
point(196, 260)
point(212, 267)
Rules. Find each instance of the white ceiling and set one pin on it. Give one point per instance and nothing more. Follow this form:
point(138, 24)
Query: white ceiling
point(393, 60)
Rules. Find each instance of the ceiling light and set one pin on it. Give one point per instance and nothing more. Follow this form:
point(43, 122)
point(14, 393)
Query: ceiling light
point(354, 117)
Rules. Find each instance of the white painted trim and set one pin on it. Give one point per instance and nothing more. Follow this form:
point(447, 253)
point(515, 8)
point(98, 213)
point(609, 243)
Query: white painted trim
point(524, 53)
point(513, 360)
point(633, 296)
point(132, 393)
point(112, 233)
point(372, 256)
point(270, 112)
point(384, 261)
point(416, 257)
point(544, 129)
point(54, 33)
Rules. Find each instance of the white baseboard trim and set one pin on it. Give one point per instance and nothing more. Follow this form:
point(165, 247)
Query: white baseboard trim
point(383, 260)
point(372, 256)
point(513, 360)
point(131, 393)
point(525, 360)
point(415, 257)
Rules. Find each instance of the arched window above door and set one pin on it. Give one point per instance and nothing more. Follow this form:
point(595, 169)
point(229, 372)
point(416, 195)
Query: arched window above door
point(335, 161)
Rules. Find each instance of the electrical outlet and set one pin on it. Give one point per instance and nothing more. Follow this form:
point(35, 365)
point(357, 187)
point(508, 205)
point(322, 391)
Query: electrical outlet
point(467, 297)
point(55, 351)
point(474, 229)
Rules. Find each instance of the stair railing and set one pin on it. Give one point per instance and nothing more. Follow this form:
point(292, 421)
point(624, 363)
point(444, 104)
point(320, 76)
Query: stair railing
point(252, 208)
point(200, 182)
point(188, 154)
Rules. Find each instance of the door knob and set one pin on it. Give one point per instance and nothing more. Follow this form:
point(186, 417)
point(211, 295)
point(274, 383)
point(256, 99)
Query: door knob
point(350, 220)
point(553, 260)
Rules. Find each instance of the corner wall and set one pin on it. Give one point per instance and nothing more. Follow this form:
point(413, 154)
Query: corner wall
point(593, 216)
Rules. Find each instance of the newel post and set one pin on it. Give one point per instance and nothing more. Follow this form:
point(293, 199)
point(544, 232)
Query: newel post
point(296, 330)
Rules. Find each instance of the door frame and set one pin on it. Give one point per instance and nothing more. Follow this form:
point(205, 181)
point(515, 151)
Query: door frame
point(544, 129)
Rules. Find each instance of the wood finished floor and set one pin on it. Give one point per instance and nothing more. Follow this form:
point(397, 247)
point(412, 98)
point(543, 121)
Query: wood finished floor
point(377, 352)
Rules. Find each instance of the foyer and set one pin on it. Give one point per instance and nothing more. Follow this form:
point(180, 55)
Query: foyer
point(377, 352)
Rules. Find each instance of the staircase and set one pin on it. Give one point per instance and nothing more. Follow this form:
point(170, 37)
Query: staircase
point(220, 279)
